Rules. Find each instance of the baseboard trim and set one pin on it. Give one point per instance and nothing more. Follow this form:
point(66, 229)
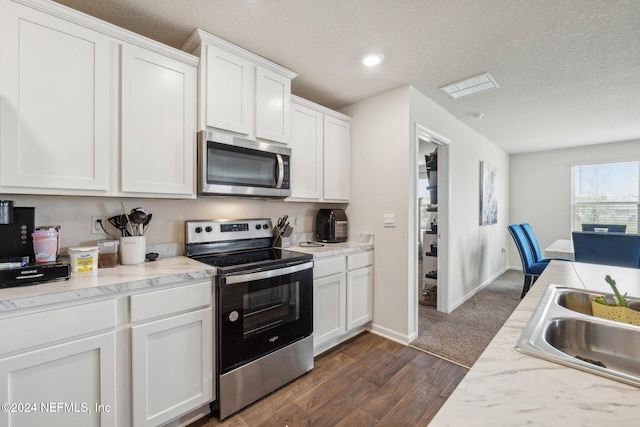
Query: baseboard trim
point(392, 335)
point(468, 296)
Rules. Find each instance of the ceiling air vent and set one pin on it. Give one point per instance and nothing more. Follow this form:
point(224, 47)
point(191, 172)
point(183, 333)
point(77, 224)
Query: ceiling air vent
point(470, 86)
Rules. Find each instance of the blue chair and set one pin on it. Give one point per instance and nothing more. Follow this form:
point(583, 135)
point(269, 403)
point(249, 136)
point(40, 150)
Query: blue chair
point(530, 267)
point(535, 247)
point(618, 249)
point(605, 228)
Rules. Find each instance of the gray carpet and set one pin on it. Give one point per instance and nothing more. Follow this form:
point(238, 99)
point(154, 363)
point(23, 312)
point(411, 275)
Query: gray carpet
point(462, 336)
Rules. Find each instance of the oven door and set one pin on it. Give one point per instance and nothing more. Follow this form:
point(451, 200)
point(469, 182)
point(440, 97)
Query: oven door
point(263, 311)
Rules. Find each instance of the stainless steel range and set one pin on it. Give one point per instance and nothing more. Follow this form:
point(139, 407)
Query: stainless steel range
point(264, 309)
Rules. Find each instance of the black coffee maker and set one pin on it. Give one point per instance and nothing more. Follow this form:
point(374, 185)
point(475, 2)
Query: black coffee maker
point(16, 227)
point(17, 259)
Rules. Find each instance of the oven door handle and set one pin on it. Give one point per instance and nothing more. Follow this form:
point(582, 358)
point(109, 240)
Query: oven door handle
point(259, 275)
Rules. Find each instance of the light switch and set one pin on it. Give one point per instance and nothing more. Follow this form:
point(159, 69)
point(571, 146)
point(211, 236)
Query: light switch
point(390, 220)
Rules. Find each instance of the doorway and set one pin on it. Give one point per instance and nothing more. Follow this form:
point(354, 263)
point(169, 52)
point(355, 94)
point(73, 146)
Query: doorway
point(431, 227)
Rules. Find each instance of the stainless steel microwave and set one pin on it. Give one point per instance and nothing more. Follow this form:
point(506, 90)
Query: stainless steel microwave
point(233, 166)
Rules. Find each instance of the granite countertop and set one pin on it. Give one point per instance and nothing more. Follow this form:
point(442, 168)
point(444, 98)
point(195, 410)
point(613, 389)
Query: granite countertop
point(509, 388)
point(356, 243)
point(105, 281)
point(131, 278)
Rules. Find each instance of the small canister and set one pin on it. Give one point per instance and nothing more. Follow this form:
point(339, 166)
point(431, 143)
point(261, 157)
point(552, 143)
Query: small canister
point(83, 259)
point(107, 253)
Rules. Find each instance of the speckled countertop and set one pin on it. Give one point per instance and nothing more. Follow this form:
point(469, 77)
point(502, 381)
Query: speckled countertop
point(356, 243)
point(131, 278)
point(105, 281)
point(509, 388)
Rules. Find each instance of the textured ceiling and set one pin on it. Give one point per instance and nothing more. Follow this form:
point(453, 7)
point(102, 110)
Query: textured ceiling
point(568, 70)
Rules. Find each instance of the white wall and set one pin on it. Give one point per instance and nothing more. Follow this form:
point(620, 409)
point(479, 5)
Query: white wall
point(383, 181)
point(167, 225)
point(380, 182)
point(476, 254)
point(541, 188)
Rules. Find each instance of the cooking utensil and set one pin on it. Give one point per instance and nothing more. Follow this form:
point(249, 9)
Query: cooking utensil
point(115, 221)
point(123, 225)
point(129, 226)
point(146, 222)
point(138, 216)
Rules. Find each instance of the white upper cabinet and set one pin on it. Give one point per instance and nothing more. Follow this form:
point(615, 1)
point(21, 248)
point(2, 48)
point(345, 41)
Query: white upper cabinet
point(321, 151)
point(87, 108)
point(54, 111)
point(273, 106)
point(158, 123)
point(337, 159)
point(241, 92)
point(307, 147)
point(228, 95)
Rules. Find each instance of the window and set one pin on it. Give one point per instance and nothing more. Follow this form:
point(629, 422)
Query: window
point(605, 194)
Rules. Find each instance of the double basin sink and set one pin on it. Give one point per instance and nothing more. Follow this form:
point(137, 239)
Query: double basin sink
point(563, 330)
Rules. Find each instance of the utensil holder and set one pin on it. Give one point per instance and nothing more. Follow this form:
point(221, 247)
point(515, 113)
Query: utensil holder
point(133, 249)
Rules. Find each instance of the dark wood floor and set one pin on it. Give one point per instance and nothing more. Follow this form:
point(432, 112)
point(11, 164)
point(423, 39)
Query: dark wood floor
point(367, 381)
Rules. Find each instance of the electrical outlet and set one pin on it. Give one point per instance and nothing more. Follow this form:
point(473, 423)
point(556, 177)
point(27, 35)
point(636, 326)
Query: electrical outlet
point(294, 219)
point(95, 224)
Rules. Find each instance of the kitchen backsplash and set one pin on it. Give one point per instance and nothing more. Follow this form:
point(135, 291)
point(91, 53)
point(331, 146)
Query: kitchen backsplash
point(166, 228)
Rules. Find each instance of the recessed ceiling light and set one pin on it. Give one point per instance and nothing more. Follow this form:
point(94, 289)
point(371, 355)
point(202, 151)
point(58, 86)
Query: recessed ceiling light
point(470, 86)
point(477, 116)
point(372, 59)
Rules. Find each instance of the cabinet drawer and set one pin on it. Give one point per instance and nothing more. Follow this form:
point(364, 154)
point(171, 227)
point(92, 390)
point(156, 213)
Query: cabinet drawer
point(22, 332)
point(328, 267)
point(161, 303)
point(363, 259)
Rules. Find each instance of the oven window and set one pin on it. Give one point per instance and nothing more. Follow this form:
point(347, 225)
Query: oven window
point(267, 308)
point(238, 166)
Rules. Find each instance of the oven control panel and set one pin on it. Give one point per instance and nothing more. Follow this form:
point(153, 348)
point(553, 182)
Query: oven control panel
point(214, 231)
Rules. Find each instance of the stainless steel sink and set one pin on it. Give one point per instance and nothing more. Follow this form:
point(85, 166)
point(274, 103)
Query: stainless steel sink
point(562, 330)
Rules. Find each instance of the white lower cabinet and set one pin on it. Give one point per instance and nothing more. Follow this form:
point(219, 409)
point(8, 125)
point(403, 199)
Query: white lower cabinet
point(329, 314)
point(171, 367)
point(171, 353)
point(50, 377)
point(342, 298)
point(359, 296)
point(71, 384)
point(92, 364)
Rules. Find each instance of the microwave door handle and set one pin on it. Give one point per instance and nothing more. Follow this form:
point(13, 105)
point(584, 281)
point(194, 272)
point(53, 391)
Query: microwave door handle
point(280, 171)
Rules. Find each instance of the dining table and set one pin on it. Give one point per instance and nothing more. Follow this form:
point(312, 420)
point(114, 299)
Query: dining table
point(561, 248)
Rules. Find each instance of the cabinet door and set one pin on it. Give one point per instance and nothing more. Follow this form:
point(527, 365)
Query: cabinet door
point(359, 297)
point(337, 163)
point(329, 308)
point(306, 148)
point(158, 123)
point(230, 91)
point(171, 366)
point(273, 106)
point(54, 102)
point(71, 384)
